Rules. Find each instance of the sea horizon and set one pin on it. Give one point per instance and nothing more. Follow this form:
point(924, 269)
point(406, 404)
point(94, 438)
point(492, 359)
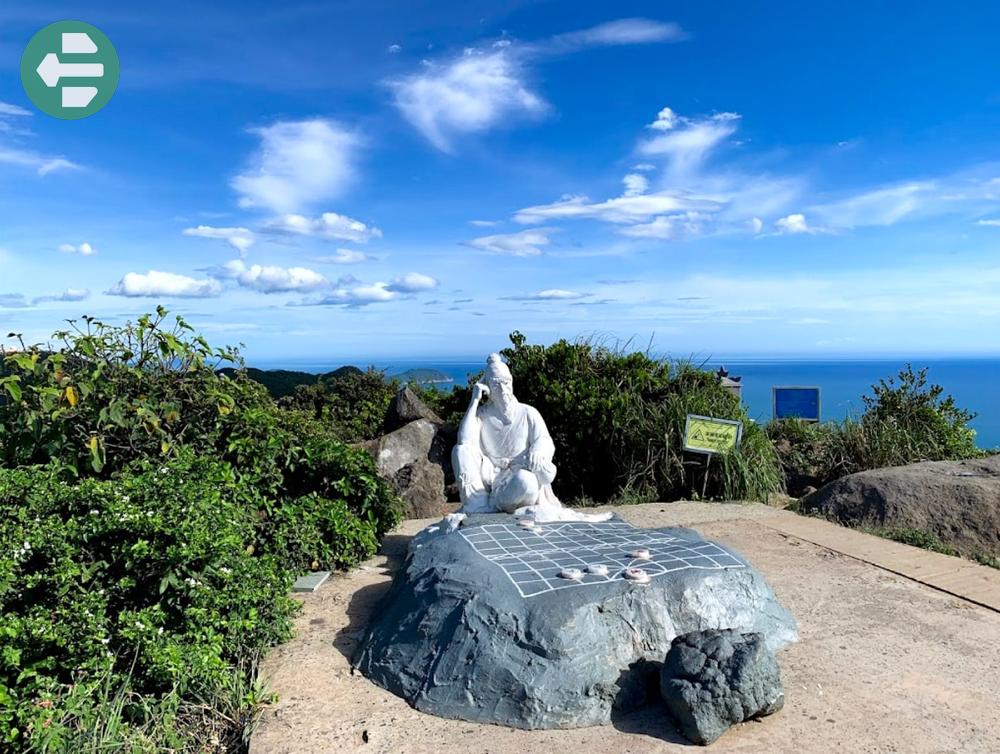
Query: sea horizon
point(972, 381)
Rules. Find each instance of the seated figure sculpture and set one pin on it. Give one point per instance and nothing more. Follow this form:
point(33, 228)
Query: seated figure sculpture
point(503, 458)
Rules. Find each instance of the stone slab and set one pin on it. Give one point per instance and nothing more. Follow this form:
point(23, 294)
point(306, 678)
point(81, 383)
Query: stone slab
point(310, 582)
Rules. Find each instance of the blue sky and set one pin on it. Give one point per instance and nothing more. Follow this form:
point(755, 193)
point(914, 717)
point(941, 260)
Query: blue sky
point(373, 179)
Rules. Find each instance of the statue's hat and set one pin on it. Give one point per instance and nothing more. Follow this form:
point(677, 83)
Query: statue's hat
point(496, 369)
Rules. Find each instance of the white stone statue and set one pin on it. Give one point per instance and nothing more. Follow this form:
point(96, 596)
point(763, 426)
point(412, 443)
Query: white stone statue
point(503, 459)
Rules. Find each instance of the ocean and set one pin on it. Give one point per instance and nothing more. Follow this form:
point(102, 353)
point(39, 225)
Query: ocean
point(974, 383)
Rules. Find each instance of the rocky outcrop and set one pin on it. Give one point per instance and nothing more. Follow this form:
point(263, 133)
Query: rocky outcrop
point(712, 680)
point(406, 407)
point(496, 624)
point(956, 501)
point(415, 456)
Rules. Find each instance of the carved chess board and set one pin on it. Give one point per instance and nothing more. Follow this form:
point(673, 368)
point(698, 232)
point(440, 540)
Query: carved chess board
point(534, 559)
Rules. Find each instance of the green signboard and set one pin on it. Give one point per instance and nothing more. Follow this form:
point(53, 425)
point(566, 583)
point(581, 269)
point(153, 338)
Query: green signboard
point(706, 434)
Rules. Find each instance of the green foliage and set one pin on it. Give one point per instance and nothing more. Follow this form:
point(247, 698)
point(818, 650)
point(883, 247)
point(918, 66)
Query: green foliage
point(110, 395)
point(353, 404)
point(905, 421)
point(617, 419)
point(153, 514)
point(282, 382)
point(157, 574)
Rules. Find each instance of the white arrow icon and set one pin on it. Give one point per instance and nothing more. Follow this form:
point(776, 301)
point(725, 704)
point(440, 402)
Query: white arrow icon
point(51, 70)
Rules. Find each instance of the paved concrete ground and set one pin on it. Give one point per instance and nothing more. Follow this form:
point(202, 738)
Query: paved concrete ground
point(885, 663)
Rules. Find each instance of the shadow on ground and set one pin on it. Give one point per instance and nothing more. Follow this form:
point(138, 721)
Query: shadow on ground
point(365, 601)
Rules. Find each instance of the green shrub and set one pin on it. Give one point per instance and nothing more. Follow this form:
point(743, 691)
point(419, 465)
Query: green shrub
point(152, 516)
point(154, 575)
point(111, 395)
point(905, 421)
point(618, 418)
point(353, 403)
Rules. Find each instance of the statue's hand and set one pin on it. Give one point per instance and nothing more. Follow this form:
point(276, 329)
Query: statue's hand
point(479, 391)
point(536, 460)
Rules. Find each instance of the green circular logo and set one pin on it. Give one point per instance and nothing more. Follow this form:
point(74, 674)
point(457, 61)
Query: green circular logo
point(69, 70)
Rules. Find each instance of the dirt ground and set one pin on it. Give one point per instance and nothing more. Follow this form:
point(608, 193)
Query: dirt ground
point(884, 664)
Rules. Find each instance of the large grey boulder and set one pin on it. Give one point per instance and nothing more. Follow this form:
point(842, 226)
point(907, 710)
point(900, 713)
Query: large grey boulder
point(956, 501)
point(712, 680)
point(413, 459)
point(480, 626)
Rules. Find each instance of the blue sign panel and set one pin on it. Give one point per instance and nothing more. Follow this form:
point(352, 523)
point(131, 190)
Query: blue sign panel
point(796, 403)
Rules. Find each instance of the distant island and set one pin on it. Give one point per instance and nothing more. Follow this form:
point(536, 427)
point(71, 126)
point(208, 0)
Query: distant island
point(423, 376)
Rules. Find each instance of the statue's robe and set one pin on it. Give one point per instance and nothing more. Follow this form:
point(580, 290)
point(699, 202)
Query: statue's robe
point(504, 450)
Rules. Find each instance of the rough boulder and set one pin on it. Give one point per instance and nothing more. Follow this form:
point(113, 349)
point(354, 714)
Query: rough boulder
point(956, 501)
point(712, 680)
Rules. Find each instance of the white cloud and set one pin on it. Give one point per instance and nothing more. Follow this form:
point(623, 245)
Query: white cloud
point(84, 249)
point(412, 282)
point(298, 164)
point(16, 111)
point(271, 278)
point(70, 294)
point(990, 223)
point(883, 206)
point(471, 94)
point(623, 31)
point(526, 243)
point(644, 167)
point(551, 294)
point(690, 201)
point(358, 296)
point(13, 301)
point(483, 223)
point(343, 256)
point(240, 239)
point(393, 49)
point(164, 284)
point(42, 164)
point(635, 184)
point(623, 209)
point(329, 225)
point(756, 225)
point(794, 224)
point(666, 120)
point(676, 227)
point(687, 142)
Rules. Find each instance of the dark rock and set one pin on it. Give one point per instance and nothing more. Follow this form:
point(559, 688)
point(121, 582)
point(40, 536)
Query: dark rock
point(956, 501)
point(471, 631)
point(415, 459)
point(712, 680)
point(406, 407)
point(421, 485)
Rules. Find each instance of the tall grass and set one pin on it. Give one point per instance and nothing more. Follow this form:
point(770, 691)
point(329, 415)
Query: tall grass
point(219, 720)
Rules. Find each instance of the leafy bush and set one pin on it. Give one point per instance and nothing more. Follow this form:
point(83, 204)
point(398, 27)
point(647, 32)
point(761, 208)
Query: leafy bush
point(353, 403)
point(618, 418)
point(152, 516)
point(156, 576)
point(905, 421)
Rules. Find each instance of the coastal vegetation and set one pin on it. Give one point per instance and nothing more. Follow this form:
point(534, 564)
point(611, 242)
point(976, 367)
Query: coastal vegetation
point(157, 501)
point(153, 515)
point(617, 418)
point(905, 420)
